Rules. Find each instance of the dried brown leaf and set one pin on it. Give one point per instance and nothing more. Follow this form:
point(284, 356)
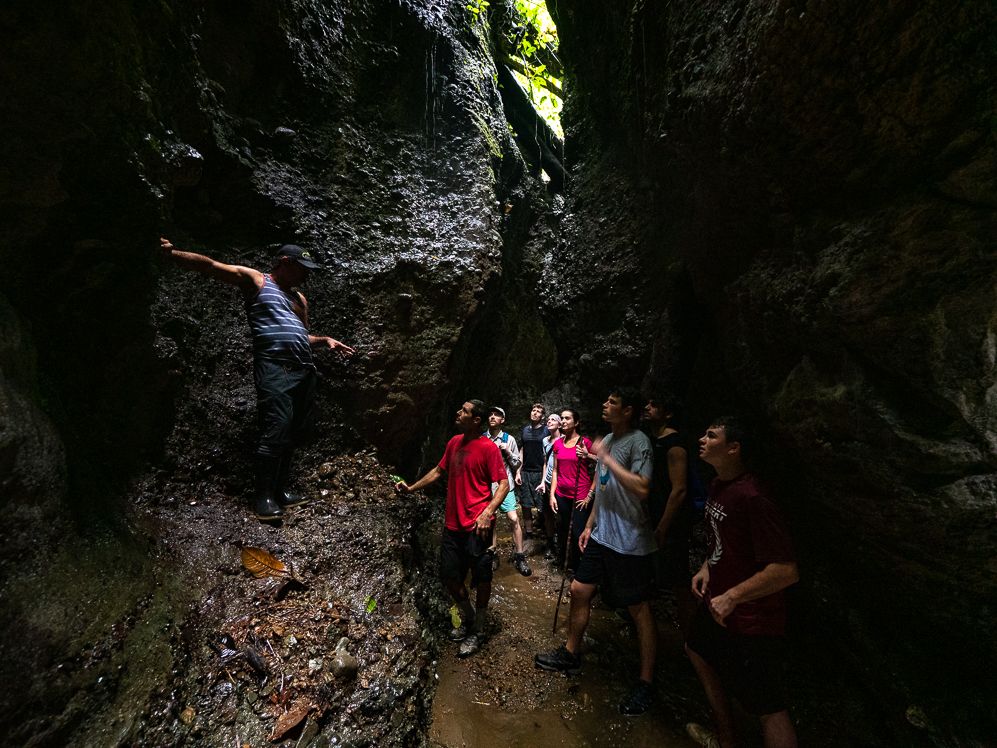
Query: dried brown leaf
point(260, 564)
point(290, 719)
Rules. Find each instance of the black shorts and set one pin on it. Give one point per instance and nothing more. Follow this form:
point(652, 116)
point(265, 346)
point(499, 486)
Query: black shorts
point(461, 552)
point(672, 558)
point(752, 668)
point(623, 580)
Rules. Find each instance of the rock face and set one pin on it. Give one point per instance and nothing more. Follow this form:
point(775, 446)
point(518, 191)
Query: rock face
point(789, 209)
point(782, 208)
point(370, 133)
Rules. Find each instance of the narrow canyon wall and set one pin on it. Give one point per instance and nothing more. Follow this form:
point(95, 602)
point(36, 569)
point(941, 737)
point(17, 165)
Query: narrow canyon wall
point(370, 133)
point(788, 209)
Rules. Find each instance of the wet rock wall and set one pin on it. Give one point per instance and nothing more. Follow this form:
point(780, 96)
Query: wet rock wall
point(788, 209)
point(372, 134)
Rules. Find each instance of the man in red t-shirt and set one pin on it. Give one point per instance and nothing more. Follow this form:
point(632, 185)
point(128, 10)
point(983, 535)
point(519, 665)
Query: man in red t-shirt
point(736, 641)
point(472, 463)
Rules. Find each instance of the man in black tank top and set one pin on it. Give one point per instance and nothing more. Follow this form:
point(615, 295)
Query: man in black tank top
point(669, 504)
point(283, 369)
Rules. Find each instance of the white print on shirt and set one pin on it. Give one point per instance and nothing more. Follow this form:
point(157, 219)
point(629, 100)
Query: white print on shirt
point(715, 514)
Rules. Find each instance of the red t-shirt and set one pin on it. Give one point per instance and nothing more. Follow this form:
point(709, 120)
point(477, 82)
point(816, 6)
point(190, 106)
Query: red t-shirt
point(747, 533)
point(573, 481)
point(471, 467)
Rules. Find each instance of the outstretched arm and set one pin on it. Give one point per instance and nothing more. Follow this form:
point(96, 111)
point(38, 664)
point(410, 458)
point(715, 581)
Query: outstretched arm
point(247, 279)
point(323, 341)
point(429, 478)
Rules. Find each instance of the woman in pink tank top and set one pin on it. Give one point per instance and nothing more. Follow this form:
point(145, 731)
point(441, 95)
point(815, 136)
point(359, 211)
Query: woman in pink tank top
point(570, 487)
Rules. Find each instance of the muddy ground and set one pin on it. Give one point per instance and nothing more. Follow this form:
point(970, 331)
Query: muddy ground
point(346, 645)
point(498, 697)
point(255, 661)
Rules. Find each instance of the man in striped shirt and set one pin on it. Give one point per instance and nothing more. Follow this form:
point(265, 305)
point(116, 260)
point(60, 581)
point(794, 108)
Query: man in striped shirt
point(283, 368)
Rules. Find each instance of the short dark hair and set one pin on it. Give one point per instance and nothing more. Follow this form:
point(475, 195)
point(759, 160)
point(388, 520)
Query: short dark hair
point(630, 397)
point(669, 404)
point(737, 429)
point(539, 405)
point(480, 410)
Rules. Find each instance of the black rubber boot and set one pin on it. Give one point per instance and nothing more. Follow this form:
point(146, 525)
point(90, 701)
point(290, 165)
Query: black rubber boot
point(264, 506)
point(284, 497)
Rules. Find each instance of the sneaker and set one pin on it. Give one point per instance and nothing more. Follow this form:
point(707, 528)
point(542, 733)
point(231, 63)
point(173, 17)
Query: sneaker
point(639, 700)
point(470, 645)
point(702, 735)
point(458, 634)
point(559, 660)
point(519, 561)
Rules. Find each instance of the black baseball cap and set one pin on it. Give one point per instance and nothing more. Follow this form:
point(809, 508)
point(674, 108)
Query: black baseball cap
point(301, 256)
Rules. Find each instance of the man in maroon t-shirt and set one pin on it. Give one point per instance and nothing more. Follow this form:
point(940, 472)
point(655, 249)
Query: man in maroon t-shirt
point(736, 639)
point(472, 463)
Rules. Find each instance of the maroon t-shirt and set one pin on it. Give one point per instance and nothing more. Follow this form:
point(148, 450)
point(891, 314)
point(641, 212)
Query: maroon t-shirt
point(471, 468)
point(747, 533)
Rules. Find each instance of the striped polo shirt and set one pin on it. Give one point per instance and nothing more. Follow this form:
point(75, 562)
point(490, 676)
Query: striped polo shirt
point(278, 333)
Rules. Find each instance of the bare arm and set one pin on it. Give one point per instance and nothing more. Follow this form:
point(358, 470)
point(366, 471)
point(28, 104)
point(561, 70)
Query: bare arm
point(701, 580)
point(320, 341)
point(677, 467)
point(483, 524)
point(553, 489)
point(428, 479)
point(632, 482)
point(248, 280)
point(773, 578)
point(323, 341)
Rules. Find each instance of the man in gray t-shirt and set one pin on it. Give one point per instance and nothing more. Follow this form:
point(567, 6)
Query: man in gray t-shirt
point(616, 545)
point(622, 522)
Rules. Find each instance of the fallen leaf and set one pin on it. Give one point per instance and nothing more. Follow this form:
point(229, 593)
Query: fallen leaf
point(187, 715)
point(289, 720)
point(260, 564)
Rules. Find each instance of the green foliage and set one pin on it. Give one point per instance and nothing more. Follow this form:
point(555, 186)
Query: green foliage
point(533, 47)
point(477, 7)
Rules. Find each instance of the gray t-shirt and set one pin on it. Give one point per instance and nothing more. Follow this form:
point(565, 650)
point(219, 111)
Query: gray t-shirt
point(622, 521)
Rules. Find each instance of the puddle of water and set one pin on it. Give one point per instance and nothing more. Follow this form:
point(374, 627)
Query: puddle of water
point(498, 697)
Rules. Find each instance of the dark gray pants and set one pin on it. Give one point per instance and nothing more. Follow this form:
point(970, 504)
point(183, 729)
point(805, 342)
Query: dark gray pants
point(285, 396)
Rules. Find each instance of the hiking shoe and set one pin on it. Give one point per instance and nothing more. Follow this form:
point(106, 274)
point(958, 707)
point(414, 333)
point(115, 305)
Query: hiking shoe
point(288, 499)
point(702, 735)
point(549, 554)
point(267, 510)
point(470, 645)
point(559, 660)
point(519, 561)
point(458, 634)
point(639, 700)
